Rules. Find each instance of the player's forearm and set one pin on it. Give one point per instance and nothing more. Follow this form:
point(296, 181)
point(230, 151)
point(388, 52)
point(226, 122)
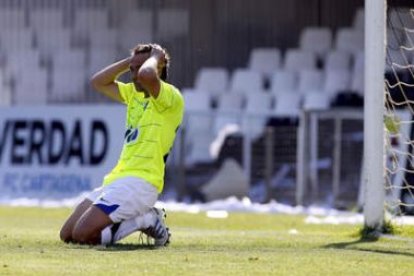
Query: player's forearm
point(148, 70)
point(109, 74)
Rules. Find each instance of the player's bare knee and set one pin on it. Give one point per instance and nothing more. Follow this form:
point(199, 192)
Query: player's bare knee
point(82, 237)
point(79, 236)
point(65, 235)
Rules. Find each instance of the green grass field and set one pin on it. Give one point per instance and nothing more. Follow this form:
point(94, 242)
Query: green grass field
point(242, 244)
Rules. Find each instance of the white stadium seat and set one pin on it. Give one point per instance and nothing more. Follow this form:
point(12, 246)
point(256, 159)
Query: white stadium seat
point(310, 80)
point(173, 22)
point(88, 21)
point(283, 80)
point(358, 22)
point(68, 85)
point(316, 101)
point(316, 39)
point(196, 100)
point(69, 59)
point(228, 111)
point(133, 18)
point(100, 58)
point(20, 61)
point(256, 113)
point(297, 60)
point(337, 81)
point(246, 81)
point(46, 19)
point(287, 104)
point(131, 37)
point(12, 18)
point(357, 82)
point(31, 87)
point(6, 93)
point(349, 40)
point(264, 60)
point(103, 39)
point(338, 60)
point(47, 46)
point(13, 40)
point(198, 124)
point(215, 80)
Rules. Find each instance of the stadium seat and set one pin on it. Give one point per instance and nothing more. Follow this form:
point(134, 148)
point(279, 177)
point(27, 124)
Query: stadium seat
point(88, 21)
point(337, 81)
point(245, 81)
point(46, 19)
point(31, 87)
point(287, 104)
point(258, 107)
point(12, 19)
point(173, 23)
point(357, 82)
point(133, 18)
point(130, 38)
point(48, 47)
point(338, 60)
point(349, 40)
point(297, 60)
point(358, 64)
point(132, 35)
point(264, 61)
point(198, 105)
point(358, 22)
point(20, 61)
point(198, 124)
point(6, 93)
point(69, 59)
point(68, 85)
point(100, 58)
point(316, 40)
point(283, 80)
point(196, 100)
point(310, 80)
point(316, 101)
point(228, 111)
point(12, 40)
point(214, 80)
point(103, 39)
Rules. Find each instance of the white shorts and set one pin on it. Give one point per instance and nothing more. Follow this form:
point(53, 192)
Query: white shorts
point(124, 198)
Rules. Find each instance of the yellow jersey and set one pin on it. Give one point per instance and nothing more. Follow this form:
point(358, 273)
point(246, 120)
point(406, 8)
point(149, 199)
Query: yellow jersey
point(151, 126)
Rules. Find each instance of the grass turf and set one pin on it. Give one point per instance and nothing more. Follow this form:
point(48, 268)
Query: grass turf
point(242, 244)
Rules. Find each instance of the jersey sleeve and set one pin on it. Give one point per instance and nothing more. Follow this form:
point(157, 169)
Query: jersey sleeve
point(126, 91)
point(167, 98)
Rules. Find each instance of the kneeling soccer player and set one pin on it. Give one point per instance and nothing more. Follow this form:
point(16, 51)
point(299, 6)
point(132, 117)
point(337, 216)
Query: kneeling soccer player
point(125, 202)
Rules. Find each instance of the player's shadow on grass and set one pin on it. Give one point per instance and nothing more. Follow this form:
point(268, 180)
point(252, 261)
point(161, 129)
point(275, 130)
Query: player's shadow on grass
point(127, 247)
point(353, 246)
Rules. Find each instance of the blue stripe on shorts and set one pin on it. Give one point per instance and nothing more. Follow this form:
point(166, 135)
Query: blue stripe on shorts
point(107, 209)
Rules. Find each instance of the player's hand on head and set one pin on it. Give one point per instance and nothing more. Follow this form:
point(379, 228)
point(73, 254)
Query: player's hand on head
point(158, 52)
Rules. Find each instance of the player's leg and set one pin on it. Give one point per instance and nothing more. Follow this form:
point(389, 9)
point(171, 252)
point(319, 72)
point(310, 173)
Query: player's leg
point(151, 223)
point(88, 228)
point(157, 229)
point(67, 228)
point(137, 213)
point(121, 201)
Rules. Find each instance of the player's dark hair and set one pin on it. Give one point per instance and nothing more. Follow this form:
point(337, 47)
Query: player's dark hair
point(146, 48)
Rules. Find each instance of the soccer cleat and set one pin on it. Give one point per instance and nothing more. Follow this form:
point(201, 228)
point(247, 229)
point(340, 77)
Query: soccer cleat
point(158, 232)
